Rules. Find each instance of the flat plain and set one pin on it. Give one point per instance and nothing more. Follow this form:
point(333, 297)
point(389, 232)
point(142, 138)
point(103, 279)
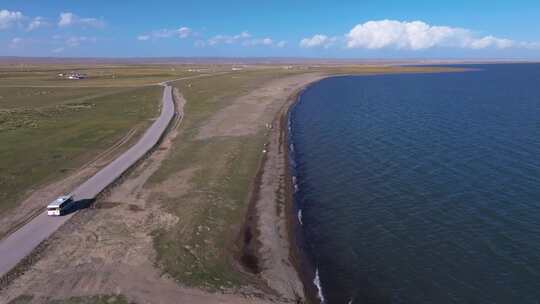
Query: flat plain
point(51, 126)
point(172, 228)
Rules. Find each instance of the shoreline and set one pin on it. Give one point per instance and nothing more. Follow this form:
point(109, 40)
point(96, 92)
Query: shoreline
point(272, 244)
point(302, 262)
point(267, 234)
point(254, 253)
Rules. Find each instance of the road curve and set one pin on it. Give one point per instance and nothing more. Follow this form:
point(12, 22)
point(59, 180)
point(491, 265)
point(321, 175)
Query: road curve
point(20, 243)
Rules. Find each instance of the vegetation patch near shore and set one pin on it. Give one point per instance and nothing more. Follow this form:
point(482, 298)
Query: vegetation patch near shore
point(101, 299)
point(199, 250)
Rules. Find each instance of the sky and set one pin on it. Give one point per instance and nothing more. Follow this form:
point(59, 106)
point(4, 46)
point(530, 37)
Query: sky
point(461, 29)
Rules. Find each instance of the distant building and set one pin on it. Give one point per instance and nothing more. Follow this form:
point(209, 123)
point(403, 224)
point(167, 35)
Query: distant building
point(198, 70)
point(72, 75)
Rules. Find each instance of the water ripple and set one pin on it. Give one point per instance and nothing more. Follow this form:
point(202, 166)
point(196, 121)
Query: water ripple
point(422, 188)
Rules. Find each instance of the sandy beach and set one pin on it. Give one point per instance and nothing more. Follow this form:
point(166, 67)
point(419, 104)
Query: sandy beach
point(272, 218)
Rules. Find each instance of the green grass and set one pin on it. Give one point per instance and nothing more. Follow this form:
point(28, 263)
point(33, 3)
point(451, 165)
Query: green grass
point(99, 75)
point(50, 126)
point(17, 97)
point(199, 251)
point(101, 299)
point(22, 299)
point(201, 254)
point(41, 144)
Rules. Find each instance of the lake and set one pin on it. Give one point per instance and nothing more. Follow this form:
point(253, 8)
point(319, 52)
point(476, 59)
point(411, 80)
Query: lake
point(422, 188)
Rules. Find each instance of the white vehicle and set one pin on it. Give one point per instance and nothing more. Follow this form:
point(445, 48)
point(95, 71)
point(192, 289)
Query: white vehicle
point(59, 205)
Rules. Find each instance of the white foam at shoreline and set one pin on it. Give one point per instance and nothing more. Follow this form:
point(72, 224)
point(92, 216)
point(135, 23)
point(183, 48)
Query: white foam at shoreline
point(300, 217)
point(317, 282)
point(295, 184)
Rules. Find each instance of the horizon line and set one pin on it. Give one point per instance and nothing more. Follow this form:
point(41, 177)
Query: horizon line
point(271, 59)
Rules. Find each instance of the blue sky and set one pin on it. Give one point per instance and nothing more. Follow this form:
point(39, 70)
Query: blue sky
point(292, 28)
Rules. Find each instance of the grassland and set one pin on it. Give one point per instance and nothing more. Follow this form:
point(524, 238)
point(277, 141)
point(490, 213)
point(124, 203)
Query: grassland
point(200, 250)
point(49, 126)
point(103, 299)
point(43, 76)
point(43, 143)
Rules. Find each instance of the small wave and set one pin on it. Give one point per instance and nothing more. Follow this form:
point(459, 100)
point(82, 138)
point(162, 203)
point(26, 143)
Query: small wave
point(291, 147)
point(300, 217)
point(295, 184)
point(317, 282)
point(292, 162)
point(289, 125)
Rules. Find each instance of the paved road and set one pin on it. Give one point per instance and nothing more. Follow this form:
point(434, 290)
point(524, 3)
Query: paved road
point(21, 243)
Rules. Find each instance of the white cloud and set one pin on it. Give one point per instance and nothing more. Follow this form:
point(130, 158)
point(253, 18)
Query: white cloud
point(9, 18)
point(69, 19)
point(58, 50)
point(489, 41)
point(65, 42)
point(244, 38)
point(242, 35)
point(36, 23)
point(220, 39)
point(15, 42)
point(418, 35)
point(281, 44)
point(163, 33)
point(182, 32)
point(530, 45)
point(227, 39)
point(259, 41)
point(266, 41)
point(75, 41)
point(66, 19)
point(318, 40)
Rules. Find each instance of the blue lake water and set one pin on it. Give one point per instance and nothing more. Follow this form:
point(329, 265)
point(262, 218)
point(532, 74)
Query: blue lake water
point(422, 188)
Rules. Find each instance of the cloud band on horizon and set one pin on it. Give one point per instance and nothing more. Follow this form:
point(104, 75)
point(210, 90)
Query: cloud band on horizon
point(414, 35)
